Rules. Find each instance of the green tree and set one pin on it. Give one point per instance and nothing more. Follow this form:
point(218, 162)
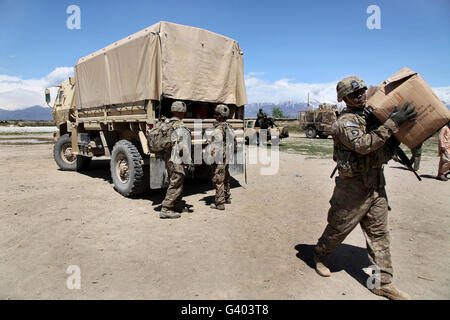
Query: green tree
point(277, 113)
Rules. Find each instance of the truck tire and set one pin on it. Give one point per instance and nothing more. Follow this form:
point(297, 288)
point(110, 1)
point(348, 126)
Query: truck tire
point(311, 132)
point(65, 159)
point(127, 170)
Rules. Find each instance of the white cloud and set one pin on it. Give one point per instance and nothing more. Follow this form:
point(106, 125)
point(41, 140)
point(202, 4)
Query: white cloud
point(287, 90)
point(254, 74)
point(443, 93)
point(17, 93)
point(282, 90)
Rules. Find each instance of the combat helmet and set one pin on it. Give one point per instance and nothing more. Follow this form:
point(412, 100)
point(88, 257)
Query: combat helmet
point(178, 106)
point(348, 85)
point(223, 110)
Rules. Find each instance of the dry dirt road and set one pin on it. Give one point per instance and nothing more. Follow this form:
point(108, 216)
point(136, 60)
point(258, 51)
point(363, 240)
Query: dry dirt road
point(259, 248)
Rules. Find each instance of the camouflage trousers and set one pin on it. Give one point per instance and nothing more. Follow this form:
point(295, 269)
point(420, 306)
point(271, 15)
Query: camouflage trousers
point(353, 204)
point(175, 189)
point(221, 182)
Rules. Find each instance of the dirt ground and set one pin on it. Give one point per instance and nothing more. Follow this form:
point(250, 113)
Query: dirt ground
point(259, 248)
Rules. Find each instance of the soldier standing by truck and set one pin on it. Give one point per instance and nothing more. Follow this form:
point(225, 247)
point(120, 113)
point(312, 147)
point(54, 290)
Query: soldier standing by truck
point(359, 196)
point(172, 204)
point(221, 173)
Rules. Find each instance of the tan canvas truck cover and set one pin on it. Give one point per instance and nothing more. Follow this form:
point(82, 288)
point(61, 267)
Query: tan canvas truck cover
point(408, 86)
point(173, 60)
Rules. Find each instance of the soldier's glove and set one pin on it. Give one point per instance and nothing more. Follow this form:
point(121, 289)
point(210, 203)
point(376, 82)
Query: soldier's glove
point(404, 115)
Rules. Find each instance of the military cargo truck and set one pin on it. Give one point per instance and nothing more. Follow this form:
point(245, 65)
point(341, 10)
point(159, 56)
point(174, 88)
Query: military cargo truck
point(118, 93)
point(318, 122)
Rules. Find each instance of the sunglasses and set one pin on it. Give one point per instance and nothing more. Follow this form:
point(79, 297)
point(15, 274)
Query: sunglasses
point(356, 94)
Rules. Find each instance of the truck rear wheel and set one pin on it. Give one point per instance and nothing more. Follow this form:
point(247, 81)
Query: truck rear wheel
point(311, 132)
point(65, 159)
point(127, 169)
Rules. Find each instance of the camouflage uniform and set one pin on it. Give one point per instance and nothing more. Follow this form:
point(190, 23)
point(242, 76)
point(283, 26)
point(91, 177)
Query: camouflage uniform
point(176, 175)
point(221, 173)
point(261, 119)
point(359, 196)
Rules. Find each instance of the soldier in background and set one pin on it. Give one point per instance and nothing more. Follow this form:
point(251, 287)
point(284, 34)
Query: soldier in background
point(172, 204)
point(359, 196)
point(221, 173)
point(444, 153)
point(260, 119)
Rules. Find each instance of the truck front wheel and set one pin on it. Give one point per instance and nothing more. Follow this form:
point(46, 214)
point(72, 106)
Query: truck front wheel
point(65, 159)
point(311, 132)
point(127, 170)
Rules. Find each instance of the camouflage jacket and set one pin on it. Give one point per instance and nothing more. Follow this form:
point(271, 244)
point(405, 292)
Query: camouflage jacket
point(224, 147)
point(360, 153)
point(181, 141)
point(176, 123)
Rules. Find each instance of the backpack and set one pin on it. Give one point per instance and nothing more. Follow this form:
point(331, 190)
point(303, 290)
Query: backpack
point(159, 136)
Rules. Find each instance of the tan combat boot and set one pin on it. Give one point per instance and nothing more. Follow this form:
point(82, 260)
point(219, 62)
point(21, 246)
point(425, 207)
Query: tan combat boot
point(168, 214)
point(391, 292)
point(321, 269)
point(218, 207)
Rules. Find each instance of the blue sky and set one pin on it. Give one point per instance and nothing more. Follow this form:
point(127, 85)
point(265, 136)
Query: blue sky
point(285, 42)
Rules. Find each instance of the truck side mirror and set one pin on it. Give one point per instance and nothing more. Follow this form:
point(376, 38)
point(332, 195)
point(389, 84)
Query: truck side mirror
point(47, 96)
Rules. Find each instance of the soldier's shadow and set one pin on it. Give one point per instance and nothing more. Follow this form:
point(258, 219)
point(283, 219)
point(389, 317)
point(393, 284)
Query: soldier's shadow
point(345, 257)
point(191, 186)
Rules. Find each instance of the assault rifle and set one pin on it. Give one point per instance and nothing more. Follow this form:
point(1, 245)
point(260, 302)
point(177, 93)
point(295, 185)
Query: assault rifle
point(392, 143)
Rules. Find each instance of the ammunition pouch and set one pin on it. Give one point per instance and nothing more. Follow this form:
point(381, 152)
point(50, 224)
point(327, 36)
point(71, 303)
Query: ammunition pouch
point(347, 163)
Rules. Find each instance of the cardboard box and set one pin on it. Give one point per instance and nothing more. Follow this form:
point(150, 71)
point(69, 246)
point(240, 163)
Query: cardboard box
point(408, 86)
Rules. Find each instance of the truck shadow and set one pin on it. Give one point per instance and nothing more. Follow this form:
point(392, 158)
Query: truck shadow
point(100, 169)
point(345, 257)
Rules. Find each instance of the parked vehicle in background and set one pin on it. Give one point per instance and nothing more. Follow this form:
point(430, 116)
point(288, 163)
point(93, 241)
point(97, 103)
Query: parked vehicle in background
point(317, 122)
point(253, 130)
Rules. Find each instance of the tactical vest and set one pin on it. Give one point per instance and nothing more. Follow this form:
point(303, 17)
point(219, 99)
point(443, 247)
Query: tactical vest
point(365, 167)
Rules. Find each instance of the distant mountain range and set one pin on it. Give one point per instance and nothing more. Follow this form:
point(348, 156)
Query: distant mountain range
point(27, 114)
point(290, 109)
